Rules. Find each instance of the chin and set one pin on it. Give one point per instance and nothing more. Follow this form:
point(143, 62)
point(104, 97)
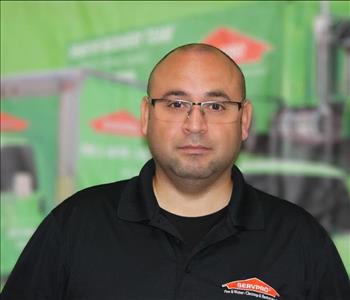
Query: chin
point(194, 170)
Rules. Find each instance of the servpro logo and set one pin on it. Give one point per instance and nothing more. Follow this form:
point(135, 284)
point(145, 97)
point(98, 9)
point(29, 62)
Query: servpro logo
point(11, 123)
point(117, 123)
point(240, 47)
point(253, 287)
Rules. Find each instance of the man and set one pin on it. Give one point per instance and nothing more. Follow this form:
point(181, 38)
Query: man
point(188, 227)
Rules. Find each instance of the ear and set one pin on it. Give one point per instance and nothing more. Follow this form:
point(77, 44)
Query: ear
point(144, 115)
point(246, 119)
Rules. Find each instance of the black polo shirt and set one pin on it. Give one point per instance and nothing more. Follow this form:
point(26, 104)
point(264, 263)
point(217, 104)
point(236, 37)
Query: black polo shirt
point(112, 242)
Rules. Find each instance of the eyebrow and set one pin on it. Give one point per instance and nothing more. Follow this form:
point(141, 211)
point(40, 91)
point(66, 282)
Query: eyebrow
point(175, 93)
point(210, 94)
point(217, 94)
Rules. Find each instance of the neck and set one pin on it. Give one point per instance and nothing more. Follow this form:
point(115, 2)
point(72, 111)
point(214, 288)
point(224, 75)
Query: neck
point(192, 197)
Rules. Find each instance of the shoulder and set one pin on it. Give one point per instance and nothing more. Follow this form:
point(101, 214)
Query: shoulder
point(90, 202)
point(289, 216)
point(100, 192)
point(295, 234)
point(290, 223)
point(275, 205)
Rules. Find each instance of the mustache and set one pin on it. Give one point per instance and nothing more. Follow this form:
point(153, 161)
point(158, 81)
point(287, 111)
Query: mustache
point(196, 139)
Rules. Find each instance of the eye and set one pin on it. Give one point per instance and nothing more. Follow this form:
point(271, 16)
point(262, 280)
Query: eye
point(176, 104)
point(215, 106)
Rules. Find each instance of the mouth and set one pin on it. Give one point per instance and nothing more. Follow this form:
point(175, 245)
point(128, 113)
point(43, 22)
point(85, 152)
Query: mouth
point(194, 149)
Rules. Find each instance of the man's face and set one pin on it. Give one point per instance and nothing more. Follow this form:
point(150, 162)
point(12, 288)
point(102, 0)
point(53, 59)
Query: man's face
point(195, 149)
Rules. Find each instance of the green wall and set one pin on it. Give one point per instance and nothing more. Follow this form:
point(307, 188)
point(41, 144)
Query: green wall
point(35, 35)
point(24, 40)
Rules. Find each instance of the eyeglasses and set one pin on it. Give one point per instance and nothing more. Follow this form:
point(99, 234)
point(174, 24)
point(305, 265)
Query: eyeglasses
point(214, 111)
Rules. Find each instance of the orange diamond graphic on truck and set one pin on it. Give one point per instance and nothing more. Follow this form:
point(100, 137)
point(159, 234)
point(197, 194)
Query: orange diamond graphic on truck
point(240, 47)
point(118, 123)
point(12, 123)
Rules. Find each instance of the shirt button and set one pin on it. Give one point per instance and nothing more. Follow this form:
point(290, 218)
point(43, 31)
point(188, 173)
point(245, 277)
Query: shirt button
point(188, 269)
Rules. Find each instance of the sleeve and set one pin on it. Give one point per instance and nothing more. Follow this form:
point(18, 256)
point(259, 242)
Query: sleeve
point(39, 272)
point(327, 278)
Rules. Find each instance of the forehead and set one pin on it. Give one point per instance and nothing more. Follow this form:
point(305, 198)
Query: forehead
point(197, 73)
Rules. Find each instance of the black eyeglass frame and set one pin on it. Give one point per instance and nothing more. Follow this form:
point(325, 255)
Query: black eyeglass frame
point(240, 104)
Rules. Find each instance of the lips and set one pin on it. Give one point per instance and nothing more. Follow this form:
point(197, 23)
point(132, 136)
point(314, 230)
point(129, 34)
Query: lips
point(194, 149)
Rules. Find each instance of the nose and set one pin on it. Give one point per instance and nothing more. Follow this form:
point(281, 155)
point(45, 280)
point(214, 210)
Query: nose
point(195, 121)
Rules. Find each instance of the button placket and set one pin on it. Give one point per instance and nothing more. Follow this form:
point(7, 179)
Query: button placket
point(188, 269)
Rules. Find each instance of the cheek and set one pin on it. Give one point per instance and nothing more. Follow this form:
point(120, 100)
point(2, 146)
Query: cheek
point(162, 134)
point(227, 140)
point(226, 134)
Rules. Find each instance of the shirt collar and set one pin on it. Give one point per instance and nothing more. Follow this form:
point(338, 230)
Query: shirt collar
point(245, 208)
point(138, 202)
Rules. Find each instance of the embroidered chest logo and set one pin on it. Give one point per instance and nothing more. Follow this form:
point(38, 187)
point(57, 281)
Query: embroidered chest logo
point(253, 287)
